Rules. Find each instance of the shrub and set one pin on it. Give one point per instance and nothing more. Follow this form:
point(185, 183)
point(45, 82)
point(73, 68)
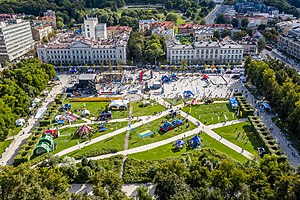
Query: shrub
point(96, 152)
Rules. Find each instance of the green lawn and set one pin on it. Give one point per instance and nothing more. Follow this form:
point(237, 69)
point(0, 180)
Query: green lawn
point(241, 135)
point(112, 142)
point(139, 110)
point(136, 141)
point(4, 145)
point(168, 150)
point(176, 102)
point(211, 112)
point(14, 131)
point(95, 108)
point(65, 140)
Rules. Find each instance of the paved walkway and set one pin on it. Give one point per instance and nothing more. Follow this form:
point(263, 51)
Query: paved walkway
point(19, 139)
point(291, 153)
point(219, 125)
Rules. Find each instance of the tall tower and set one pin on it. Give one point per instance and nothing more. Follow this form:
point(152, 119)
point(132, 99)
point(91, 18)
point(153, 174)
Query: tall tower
point(89, 27)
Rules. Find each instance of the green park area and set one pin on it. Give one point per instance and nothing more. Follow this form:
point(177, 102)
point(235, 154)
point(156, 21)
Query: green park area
point(140, 110)
point(4, 145)
point(241, 134)
point(154, 126)
point(176, 101)
point(169, 151)
point(66, 140)
point(212, 113)
point(115, 142)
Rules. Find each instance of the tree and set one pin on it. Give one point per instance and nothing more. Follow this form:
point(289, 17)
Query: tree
point(172, 17)
point(244, 22)
point(143, 193)
point(235, 23)
point(217, 34)
point(239, 35)
point(202, 22)
point(221, 19)
point(261, 44)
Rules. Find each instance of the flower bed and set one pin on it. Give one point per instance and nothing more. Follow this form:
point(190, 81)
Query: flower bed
point(95, 99)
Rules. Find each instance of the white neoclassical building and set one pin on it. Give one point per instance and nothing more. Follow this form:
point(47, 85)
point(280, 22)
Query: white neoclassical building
point(76, 49)
point(205, 52)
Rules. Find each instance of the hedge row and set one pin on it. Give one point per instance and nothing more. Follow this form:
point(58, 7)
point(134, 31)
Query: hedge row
point(245, 106)
point(265, 136)
point(27, 149)
point(95, 99)
point(96, 152)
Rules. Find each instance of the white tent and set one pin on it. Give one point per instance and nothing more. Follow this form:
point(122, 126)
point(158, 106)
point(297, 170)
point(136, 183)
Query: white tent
point(85, 112)
point(118, 104)
point(36, 100)
point(20, 122)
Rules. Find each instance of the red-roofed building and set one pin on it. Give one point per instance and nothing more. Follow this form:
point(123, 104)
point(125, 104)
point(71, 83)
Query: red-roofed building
point(185, 28)
point(112, 31)
point(46, 20)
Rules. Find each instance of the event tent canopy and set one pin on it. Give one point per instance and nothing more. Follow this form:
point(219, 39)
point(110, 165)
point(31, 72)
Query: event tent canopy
point(83, 130)
point(20, 122)
point(118, 104)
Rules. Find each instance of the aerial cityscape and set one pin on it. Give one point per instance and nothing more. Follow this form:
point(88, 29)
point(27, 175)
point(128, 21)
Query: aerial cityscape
point(150, 99)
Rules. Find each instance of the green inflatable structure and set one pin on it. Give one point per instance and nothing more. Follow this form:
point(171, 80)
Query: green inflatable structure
point(46, 144)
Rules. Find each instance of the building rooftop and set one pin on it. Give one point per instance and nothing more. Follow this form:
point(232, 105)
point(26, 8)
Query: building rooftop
point(119, 28)
point(69, 39)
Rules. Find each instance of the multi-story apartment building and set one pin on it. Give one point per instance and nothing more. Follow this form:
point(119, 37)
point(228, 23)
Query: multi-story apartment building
point(15, 39)
point(113, 31)
point(73, 49)
point(205, 52)
point(38, 32)
point(46, 20)
point(203, 34)
point(290, 44)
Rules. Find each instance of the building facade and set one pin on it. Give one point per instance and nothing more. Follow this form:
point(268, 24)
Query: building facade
point(15, 39)
point(290, 44)
point(38, 32)
point(113, 31)
point(74, 50)
point(94, 30)
point(205, 52)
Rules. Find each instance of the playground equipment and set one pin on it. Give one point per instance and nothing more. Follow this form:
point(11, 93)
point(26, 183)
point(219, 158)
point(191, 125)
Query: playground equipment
point(233, 103)
point(145, 134)
point(84, 130)
point(171, 125)
point(68, 117)
point(45, 145)
point(104, 115)
point(179, 144)
point(194, 142)
point(118, 105)
point(188, 94)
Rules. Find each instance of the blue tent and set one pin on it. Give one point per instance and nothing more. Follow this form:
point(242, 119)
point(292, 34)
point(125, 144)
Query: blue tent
point(196, 141)
point(68, 106)
point(188, 94)
point(73, 70)
point(233, 103)
point(179, 143)
point(165, 79)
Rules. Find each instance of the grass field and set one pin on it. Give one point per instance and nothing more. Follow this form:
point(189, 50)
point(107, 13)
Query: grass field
point(139, 110)
point(14, 131)
point(212, 113)
point(176, 102)
point(241, 135)
point(167, 151)
point(65, 140)
point(4, 145)
point(95, 108)
point(136, 141)
point(112, 142)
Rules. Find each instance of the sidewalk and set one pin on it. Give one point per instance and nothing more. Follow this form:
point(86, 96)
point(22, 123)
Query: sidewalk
point(20, 138)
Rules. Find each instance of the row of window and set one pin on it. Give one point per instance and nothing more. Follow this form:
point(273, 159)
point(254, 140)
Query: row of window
point(79, 57)
point(79, 52)
point(206, 57)
point(228, 51)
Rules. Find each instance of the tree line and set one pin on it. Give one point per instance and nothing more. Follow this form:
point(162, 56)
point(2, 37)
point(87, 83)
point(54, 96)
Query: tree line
point(280, 85)
point(204, 174)
point(19, 84)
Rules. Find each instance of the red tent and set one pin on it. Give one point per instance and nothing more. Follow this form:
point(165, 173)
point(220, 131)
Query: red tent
point(204, 76)
point(83, 130)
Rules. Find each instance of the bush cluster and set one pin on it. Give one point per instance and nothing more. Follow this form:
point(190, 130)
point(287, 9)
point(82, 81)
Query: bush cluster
point(245, 107)
point(265, 136)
